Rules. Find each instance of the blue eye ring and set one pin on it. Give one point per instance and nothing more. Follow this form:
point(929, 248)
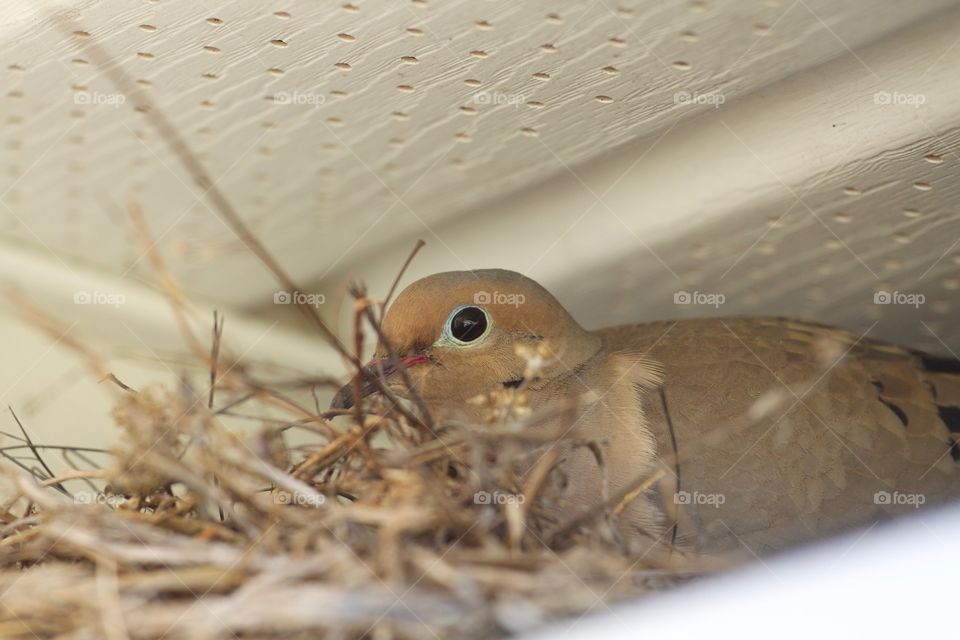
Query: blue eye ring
point(467, 326)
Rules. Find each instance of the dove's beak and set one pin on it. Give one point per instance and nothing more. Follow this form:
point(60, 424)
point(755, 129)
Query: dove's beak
point(345, 396)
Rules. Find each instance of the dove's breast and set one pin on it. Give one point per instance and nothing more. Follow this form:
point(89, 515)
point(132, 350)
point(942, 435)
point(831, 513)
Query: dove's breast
point(777, 431)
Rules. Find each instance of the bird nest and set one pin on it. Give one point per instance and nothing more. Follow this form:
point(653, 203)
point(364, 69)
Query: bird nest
point(382, 527)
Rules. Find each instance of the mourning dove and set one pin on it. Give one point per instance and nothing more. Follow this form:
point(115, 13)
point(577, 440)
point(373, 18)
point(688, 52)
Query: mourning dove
point(767, 431)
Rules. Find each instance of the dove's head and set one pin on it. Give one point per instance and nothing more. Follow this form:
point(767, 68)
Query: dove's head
point(464, 333)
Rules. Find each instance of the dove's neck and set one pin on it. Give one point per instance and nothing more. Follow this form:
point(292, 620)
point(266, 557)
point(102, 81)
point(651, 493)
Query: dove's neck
point(611, 386)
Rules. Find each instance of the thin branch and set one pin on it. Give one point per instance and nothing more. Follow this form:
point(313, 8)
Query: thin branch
point(36, 452)
point(396, 281)
point(214, 355)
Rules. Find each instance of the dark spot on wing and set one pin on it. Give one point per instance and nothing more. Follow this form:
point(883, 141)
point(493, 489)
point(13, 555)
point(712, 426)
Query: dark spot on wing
point(951, 418)
point(897, 411)
point(940, 364)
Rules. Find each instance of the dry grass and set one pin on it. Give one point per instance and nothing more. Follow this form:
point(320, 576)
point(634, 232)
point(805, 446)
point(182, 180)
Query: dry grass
point(378, 523)
point(372, 530)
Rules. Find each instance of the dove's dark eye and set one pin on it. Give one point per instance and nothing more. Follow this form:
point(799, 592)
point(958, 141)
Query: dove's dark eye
point(467, 325)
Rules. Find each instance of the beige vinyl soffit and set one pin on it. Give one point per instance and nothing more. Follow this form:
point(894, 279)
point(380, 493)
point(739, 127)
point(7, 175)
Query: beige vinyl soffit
point(338, 130)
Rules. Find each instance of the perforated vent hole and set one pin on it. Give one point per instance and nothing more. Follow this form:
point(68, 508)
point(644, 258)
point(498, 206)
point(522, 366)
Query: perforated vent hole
point(902, 237)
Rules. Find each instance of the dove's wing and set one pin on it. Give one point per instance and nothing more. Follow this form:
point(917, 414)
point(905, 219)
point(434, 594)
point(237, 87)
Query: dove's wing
point(785, 430)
